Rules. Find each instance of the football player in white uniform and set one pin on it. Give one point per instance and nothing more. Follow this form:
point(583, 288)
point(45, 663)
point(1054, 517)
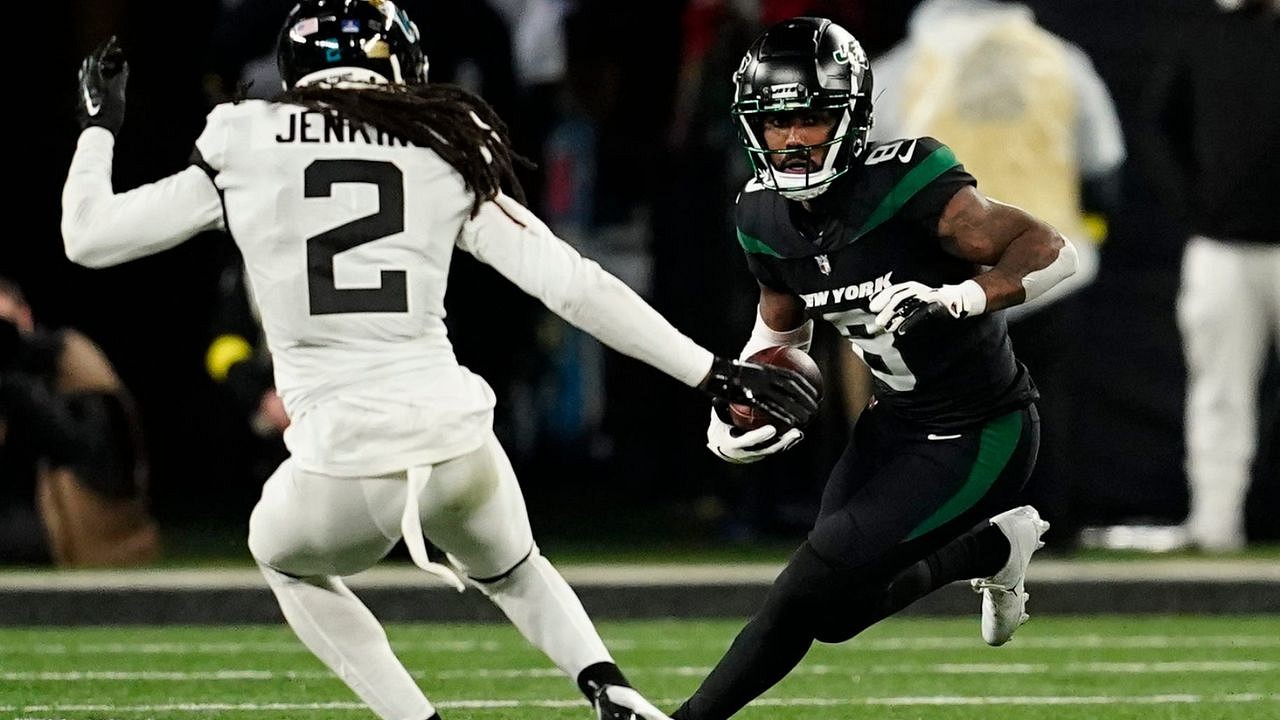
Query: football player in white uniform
point(346, 198)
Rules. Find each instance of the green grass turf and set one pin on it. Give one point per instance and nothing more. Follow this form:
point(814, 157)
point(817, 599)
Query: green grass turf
point(1108, 668)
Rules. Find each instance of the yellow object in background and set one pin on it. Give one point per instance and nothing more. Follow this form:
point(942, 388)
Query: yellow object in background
point(225, 351)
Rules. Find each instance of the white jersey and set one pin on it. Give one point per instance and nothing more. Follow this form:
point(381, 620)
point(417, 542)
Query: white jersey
point(347, 236)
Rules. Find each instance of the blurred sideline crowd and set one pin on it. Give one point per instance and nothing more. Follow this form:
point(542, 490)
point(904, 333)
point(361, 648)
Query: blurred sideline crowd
point(142, 397)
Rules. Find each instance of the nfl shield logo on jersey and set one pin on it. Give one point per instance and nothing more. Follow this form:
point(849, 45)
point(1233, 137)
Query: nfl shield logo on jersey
point(824, 265)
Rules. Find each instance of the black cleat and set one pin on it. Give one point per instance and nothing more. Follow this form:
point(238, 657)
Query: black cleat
point(618, 702)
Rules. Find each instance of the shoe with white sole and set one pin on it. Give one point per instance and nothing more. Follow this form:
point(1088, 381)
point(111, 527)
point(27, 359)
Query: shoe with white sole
point(1004, 595)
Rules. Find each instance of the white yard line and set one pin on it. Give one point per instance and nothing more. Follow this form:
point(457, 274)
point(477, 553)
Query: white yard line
point(1074, 668)
point(935, 700)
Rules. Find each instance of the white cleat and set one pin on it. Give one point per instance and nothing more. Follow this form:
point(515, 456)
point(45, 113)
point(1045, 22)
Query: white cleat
point(1004, 596)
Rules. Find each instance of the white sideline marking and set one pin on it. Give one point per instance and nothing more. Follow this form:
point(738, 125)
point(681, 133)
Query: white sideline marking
point(1074, 668)
point(936, 700)
point(623, 644)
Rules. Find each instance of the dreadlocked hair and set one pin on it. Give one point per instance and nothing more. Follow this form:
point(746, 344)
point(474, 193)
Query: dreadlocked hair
point(460, 127)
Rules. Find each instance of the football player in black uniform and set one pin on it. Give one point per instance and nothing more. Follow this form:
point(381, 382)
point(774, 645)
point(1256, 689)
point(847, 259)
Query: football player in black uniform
point(892, 244)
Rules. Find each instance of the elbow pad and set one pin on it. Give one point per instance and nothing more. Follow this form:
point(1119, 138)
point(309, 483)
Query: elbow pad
point(763, 336)
point(1038, 282)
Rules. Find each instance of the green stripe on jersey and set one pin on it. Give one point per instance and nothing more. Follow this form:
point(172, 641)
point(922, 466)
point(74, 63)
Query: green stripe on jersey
point(755, 245)
point(929, 169)
point(999, 438)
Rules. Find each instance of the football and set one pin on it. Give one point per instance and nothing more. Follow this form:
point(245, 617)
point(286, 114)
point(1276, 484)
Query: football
point(749, 418)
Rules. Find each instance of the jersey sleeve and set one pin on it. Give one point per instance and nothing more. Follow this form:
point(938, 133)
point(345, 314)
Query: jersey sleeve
point(101, 228)
point(756, 237)
point(512, 240)
point(762, 267)
point(213, 147)
point(925, 207)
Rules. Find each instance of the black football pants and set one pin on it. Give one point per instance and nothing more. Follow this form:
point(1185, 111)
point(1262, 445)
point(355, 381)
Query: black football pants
point(904, 512)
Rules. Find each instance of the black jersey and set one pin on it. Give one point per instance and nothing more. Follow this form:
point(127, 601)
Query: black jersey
point(874, 227)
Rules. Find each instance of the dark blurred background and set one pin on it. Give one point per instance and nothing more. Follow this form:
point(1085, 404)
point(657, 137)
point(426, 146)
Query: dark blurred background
point(623, 105)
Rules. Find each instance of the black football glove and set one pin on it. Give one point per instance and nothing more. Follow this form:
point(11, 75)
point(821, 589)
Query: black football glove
point(914, 312)
point(103, 76)
point(780, 392)
point(904, 306)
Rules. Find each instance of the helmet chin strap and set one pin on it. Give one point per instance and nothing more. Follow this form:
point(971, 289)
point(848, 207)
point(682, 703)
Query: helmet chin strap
point(807, 193)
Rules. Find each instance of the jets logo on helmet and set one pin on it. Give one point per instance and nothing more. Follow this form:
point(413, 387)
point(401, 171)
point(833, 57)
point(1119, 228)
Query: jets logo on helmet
point(851, 53)
point(362, 41)
point(803, 64)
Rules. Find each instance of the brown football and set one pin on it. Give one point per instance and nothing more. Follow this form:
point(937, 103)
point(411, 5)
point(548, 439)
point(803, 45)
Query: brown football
point(750, 418)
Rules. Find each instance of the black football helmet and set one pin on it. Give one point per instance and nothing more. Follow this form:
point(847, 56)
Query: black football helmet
point(350, 40)
point(804, 64)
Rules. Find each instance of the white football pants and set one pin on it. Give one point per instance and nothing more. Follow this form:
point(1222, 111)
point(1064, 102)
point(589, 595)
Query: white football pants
point(309, 529)
point(1229, 314)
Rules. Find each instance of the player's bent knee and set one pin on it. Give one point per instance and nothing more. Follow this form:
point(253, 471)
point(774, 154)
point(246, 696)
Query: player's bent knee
point(839, 622)
point(829, 602)
point(497, 583)
point(801, 593)
point(277, 577)
point(269, 551)
point(261, 547)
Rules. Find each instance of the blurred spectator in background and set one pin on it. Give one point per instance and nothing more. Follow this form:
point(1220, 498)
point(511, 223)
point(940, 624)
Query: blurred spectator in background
point(1037, 127)
point(1211, 140)
point(538, 56)
point(73, 474)
point(238, 358)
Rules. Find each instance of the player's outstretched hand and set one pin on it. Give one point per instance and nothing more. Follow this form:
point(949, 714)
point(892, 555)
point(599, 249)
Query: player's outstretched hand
point(902, 307)
point(103, 76)
point(741, 447)
point(782, 393)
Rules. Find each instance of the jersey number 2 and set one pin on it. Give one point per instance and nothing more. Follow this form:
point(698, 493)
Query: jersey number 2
point(392, 294)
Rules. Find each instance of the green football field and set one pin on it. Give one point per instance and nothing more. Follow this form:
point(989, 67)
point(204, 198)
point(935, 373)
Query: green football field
point(1152, 668)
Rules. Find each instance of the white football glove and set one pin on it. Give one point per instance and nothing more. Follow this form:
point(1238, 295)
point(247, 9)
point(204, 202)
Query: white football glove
point(911, 302)
point(749, 446)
